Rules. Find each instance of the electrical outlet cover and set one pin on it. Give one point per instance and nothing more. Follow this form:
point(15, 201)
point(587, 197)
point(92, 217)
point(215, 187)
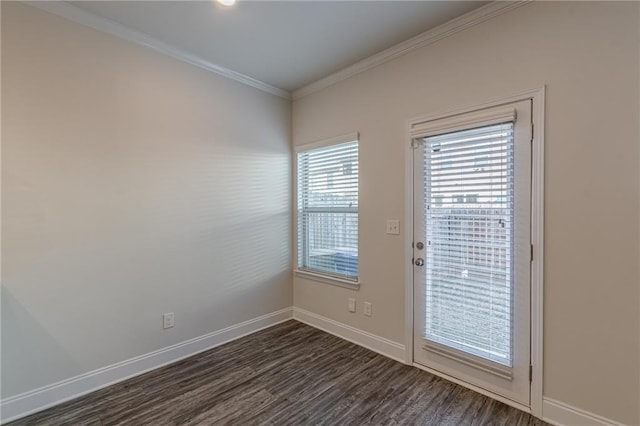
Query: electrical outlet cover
point(367, 308)
point(168, 320)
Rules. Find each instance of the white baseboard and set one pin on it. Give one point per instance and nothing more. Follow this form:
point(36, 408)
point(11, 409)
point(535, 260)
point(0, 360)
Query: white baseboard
point(13, 408)
point(39, 399)
point(561, 414)
point(370, 341)
point(554, 412)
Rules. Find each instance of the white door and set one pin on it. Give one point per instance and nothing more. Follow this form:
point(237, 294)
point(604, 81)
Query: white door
point(472, 248)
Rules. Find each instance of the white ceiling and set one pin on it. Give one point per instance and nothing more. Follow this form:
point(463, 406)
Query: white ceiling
point(287, 44)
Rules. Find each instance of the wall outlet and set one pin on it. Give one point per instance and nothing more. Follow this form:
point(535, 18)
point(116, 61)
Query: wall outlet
point(393, 227)
point(367, 308)
point(351, 305)
point(167, 320)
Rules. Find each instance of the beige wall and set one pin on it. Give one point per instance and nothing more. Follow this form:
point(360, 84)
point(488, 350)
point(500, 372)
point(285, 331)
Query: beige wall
point(587, 55)
point(132, 185)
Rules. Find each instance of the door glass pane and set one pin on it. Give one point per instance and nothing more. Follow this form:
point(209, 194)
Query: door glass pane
point(469, 215)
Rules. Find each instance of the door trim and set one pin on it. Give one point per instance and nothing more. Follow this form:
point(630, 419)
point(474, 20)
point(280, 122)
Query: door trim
point(537, 96)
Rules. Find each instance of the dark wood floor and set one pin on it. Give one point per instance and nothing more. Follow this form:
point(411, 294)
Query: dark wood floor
point(290, 374)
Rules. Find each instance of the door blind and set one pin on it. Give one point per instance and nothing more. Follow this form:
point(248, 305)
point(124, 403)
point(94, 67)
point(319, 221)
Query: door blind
point(328, 210)
point(469, 213)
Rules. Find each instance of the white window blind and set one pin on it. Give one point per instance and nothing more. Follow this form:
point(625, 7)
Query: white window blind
point(469, 196)
point(328, 210)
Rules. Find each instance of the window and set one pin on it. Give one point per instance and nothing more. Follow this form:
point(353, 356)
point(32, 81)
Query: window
point(327, 207)
point(471, 198)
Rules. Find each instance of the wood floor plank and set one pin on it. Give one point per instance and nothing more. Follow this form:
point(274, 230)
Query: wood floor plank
point(289, 374)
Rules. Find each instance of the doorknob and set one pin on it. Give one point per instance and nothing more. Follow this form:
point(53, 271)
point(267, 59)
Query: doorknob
point(419, 261)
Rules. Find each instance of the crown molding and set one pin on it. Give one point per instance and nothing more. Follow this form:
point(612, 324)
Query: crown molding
point(88, 19)
point(456, 25)
point(447, 29)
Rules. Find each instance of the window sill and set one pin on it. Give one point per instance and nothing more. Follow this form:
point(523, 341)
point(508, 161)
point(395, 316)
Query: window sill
point(340, 282)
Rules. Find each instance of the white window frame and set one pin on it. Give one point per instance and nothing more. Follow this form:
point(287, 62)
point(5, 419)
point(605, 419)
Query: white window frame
point(313, 275)
point(537, 240)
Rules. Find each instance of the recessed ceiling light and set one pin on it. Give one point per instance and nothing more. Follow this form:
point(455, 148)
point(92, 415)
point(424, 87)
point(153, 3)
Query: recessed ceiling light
point(227, 2)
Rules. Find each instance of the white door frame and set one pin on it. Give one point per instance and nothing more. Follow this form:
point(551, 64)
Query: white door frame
point(537, 96)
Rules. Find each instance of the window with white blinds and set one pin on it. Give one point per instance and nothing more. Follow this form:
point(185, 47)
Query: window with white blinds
point(469, 217)
point(327, 198)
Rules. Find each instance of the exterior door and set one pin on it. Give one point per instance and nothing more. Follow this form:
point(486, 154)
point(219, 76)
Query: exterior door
point(472, 248)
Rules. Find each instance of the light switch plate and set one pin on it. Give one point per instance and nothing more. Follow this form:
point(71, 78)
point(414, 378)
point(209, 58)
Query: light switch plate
point(393, 227)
